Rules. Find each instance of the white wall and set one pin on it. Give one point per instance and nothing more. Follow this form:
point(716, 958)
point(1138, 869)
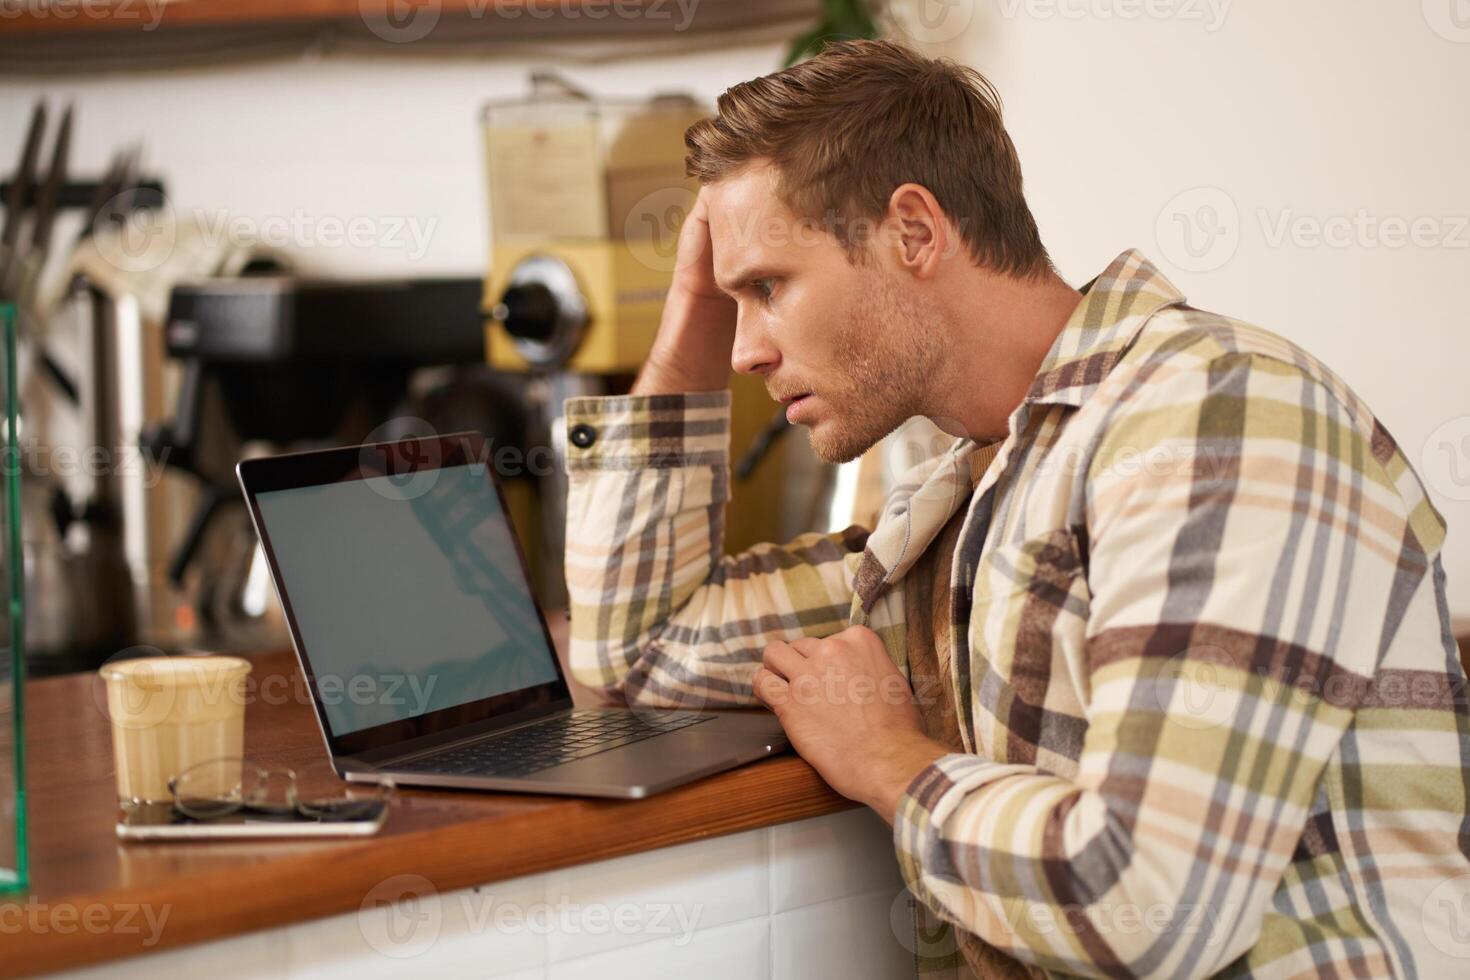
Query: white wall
point(1299, 111)
point(317, 140)
point(1122, 111)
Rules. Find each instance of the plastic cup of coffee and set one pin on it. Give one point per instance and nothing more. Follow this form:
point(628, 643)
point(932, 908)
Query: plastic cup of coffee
point(170, 713)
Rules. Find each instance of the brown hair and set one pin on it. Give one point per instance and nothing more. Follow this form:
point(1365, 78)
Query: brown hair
point(847, 127)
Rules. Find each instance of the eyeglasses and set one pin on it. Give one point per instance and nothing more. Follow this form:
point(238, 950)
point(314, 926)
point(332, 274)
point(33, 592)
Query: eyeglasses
point(225, 787)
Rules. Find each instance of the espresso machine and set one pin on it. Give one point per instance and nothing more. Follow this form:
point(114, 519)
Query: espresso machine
point(274, 363)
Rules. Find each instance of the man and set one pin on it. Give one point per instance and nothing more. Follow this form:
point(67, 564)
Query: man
point(1172, 604)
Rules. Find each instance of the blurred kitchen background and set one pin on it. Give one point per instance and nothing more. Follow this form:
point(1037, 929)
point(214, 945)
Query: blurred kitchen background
point(289, 223)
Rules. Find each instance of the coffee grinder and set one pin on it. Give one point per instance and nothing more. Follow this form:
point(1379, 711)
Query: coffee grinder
point(586, 199)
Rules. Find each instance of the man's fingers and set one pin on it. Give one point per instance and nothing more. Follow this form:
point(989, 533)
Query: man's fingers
point(700, 211)
point(782, 659)
point(806, 645)
point(770, 688)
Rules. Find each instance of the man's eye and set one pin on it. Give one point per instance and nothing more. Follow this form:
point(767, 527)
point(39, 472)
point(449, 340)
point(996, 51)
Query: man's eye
point(763, 287)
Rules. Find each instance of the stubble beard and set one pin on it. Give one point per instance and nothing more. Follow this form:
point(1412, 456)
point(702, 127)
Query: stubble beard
point(891, 357)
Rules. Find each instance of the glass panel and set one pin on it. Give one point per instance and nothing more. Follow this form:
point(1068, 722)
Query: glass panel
point(12, 628)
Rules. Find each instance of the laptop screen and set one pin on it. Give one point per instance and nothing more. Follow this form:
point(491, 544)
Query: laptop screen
point(407, 594)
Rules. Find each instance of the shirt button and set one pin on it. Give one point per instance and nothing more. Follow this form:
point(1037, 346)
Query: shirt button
point(583, 435)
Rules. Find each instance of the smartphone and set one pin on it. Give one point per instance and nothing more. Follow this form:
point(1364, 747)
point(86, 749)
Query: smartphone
point(161, 822)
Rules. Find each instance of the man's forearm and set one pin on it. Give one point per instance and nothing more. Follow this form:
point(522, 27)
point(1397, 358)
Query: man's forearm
point(646, 490)
point(894, 766)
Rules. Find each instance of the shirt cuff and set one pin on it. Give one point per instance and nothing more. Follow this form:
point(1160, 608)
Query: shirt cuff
point(922, 811)
point(626, 432)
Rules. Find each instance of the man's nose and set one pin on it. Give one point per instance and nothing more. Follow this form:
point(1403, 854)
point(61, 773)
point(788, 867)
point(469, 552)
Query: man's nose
point(753, 352)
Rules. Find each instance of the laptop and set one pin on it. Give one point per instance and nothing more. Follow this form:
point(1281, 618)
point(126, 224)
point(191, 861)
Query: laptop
point(427, 656)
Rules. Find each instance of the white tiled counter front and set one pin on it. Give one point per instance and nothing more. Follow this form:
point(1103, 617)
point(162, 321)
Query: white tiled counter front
point(801, 901)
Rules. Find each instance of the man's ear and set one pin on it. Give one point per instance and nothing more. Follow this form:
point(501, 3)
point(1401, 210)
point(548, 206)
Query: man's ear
point(920, 233)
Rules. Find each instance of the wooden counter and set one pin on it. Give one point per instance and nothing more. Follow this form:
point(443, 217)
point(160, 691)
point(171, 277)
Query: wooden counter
point(82, 874)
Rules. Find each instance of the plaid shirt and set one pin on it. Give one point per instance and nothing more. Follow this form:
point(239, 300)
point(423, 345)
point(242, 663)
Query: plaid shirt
point(1213, 715)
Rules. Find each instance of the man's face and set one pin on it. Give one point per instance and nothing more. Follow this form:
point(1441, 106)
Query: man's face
point(850, 347)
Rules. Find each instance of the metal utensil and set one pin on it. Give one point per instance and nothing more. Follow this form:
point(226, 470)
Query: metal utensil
point(17, 202)
point(107, 188)
point(47, 196)
point(24, 256)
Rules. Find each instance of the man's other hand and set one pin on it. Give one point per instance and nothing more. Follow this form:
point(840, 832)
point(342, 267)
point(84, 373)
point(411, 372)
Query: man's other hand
point(850, 713)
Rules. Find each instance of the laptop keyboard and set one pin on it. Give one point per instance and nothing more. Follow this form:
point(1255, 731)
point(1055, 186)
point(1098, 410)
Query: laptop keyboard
point(551, 743)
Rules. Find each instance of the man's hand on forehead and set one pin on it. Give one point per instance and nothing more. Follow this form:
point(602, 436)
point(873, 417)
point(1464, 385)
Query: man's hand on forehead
point(697, 331)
